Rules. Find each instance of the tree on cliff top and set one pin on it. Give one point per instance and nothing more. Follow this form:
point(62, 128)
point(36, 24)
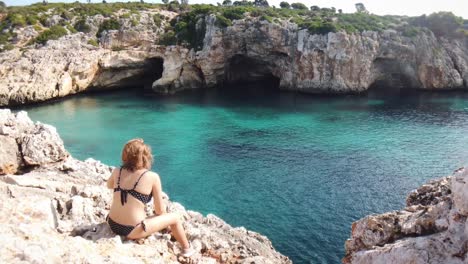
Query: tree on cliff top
point(243, 3)
point(227, 3)
point(441, 23)
point(299, 6)
point(261, 3)
point(360, 8)
point(315, 8)
point(285, 5)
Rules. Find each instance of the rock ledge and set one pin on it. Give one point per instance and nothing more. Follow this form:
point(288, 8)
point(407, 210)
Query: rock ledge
point(53, 210)
point(433, 228)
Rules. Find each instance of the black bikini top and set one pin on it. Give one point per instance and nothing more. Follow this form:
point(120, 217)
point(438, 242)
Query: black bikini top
point(144, 198)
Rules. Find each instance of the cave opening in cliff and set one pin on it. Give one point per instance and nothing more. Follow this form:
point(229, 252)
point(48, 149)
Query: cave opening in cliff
point(392, 77)
point(139, 76)
point(152, 71)
point(244, 73)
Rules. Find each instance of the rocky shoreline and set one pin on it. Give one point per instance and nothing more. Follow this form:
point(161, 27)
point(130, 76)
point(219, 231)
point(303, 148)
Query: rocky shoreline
point(432, 228)
point(53, 210)
point(279, 51)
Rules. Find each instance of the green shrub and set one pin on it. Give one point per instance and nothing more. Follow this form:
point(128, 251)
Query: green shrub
point(5, 37)
point(266, 18)
point(93, 42)
point(117, 48)
point(32, 20)
point(410, 31)
point(222, 21)
point(110, 24)
point(82, 26)
point(37, 28)
point(7, 47)
point(134, 22)
point(234, 13)
point(55, 32)
point(359, 22)
point(441, 23)
point(43, 19)
point(66, 15)
point(16, 20)
point(168, 38)
point(299, 6)
point(157, 18)
point(71, 29)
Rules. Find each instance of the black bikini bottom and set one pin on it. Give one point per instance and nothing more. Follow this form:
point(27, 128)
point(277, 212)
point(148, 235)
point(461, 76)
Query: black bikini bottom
point(122, 230)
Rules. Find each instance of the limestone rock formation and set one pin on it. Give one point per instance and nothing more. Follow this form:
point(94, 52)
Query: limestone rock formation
point(249, 50)
point(54, 208)
point(433, 228)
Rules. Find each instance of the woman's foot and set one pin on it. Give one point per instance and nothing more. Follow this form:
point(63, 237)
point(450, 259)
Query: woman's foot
point(187, 252)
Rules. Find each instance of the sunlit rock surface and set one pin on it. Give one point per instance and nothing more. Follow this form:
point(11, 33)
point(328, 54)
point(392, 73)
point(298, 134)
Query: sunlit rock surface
point(433, 228)
point(53, 211)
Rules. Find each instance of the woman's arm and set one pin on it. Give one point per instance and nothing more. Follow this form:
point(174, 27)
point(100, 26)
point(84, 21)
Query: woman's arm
point(159, 206)
point(110, 181)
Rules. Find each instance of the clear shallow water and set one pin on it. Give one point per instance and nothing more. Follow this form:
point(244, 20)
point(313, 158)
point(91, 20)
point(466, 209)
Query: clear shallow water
point(299, 169)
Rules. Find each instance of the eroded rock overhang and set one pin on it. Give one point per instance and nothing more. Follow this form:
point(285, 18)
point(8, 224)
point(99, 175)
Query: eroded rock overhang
point(248, 51)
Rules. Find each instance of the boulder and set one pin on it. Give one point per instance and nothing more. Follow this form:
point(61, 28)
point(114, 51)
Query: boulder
point(42, 146)
point(431, 229)
point(10, 157)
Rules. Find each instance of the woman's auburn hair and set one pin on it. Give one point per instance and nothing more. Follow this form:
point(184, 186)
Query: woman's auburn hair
point(136, 155)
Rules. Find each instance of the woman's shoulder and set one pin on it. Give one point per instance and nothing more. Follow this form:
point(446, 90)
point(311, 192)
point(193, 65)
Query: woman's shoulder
point(152, 174)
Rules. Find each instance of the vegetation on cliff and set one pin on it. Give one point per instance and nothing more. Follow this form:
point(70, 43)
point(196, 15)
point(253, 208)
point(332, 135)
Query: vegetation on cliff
point(188, 27)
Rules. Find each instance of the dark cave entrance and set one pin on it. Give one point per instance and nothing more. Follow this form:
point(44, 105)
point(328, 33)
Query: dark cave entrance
point(392, 77)
point(244, 73)
point(140, 76)
point(152, 71)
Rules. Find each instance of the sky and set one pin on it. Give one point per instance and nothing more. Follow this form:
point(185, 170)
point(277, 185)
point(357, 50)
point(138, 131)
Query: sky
point(380, 7)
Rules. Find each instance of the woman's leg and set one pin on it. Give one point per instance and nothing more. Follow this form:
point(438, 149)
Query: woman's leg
point(156, 223)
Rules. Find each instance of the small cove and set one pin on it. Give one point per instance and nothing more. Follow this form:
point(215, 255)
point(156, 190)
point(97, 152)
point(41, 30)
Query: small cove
point(296, 168)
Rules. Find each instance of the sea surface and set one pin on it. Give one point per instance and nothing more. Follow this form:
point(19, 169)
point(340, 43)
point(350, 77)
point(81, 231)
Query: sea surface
point(296, 168)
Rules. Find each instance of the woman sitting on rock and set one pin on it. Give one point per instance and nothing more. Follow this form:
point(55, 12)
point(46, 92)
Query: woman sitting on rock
point(134, 185)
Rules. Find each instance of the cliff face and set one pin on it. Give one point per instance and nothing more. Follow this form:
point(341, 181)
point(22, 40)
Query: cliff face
point(53, 210)
point(333, 63)
point(249, 50)
point(433, 228)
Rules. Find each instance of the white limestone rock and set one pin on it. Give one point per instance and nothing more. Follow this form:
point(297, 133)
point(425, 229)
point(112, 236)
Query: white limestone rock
point(431, 229)
point(42, 146)
point(56, 213)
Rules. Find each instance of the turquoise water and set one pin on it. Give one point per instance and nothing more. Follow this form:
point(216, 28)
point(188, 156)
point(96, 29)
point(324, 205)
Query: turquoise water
point(299, 169)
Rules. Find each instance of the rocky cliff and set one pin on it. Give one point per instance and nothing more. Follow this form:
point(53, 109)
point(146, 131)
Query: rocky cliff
point(251, 49)
point(53, 211)
point(432, 228)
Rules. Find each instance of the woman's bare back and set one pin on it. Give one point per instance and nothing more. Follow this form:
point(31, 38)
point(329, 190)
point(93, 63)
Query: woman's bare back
point(126, 208)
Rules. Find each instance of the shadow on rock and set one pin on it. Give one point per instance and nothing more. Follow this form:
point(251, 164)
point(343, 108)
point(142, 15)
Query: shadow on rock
point(93, 232)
